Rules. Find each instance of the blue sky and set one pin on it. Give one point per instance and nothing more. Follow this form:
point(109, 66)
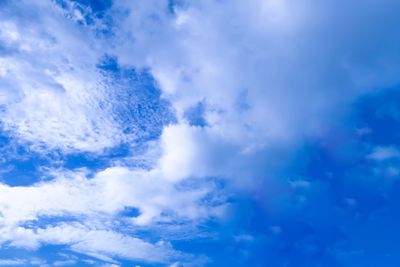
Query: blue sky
point(199, 133)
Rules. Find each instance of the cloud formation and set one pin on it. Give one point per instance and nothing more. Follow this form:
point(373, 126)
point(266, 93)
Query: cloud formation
point(215, 94)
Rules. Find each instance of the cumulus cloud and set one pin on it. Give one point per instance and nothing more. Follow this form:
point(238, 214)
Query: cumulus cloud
point(267, 72)
point(270, 76)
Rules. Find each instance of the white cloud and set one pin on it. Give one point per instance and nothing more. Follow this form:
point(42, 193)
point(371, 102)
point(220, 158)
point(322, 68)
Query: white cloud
point(12, 262)
point(383, 153)
point(262, 76)
point(53, 94)
point(109, 192)
point(51, 91)
point(102, 244)
point(267, 72)
point(97, 204)
point(181, 146)
point(23, 262)
point(64, 262)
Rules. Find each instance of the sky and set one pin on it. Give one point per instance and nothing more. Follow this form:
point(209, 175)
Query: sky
point(184, 133)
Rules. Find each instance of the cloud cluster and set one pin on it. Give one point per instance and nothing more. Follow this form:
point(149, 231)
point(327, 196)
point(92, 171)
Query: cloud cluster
point(56, 92)
point(50, 90)
point(266, 71)
point(95, 203)
point(60, 91)
point(266, 74)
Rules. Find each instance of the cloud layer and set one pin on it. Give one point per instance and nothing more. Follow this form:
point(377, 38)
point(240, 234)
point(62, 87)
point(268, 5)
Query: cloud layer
point(198, 100)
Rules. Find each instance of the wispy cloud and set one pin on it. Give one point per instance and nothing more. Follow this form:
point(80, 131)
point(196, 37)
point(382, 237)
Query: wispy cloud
point(12, 262)
point(384, 153)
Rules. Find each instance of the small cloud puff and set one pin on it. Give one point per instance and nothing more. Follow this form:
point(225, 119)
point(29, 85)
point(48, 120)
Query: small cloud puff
point(381, 153)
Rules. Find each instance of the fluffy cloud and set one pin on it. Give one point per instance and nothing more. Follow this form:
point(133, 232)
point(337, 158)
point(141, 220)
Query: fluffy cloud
point(109, 192)
point(98, 205)
point(252, 73)
point(267, 72)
